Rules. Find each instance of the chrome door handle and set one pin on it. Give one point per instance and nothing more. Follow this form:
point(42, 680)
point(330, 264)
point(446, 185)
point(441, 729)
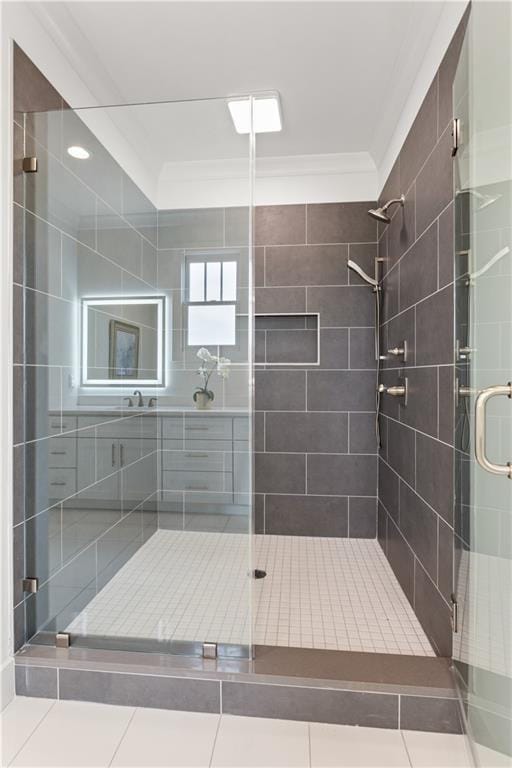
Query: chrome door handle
point(121, 454)
point(504, 390)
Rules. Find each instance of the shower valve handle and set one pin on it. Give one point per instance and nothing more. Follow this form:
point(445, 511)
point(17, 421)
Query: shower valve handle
point(399, 390)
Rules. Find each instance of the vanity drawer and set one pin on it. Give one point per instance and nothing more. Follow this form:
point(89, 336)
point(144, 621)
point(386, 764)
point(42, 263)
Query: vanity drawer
point(55, 426)
point(62, 452)
point(208, 428)
point(215, 482)
point(61, 483)
point(198, 460)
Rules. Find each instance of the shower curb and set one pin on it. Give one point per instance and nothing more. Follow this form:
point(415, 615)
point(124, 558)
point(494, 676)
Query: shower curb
point(231, 687)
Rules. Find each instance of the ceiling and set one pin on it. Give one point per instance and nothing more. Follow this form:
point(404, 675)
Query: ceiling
point(343, 69)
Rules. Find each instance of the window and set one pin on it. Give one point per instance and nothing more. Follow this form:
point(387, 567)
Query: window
point(211, 300)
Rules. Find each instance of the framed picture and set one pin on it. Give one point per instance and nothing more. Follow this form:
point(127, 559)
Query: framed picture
point(123, 350)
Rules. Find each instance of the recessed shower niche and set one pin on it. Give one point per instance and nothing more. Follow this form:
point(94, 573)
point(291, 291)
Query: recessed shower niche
point(287, 339)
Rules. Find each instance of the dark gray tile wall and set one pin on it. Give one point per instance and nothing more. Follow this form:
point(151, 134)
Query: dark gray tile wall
point(416, 521)
point(72, 220)
point(316, 463)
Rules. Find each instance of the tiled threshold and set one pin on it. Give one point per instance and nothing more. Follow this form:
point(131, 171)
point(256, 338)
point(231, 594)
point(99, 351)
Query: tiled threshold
point(379, 690)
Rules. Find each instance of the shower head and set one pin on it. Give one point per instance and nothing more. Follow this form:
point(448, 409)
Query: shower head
point(356, 268)
point(381, 214)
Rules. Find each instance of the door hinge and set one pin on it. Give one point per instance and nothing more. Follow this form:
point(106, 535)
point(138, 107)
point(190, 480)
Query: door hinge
point(62, 639)
point(30, 584)
point(455, 613)
point(455, 135)
point(30, 164)
point(209, 650)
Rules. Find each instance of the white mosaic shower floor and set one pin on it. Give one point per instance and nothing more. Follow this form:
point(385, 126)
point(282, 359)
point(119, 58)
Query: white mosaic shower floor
point(339, 594)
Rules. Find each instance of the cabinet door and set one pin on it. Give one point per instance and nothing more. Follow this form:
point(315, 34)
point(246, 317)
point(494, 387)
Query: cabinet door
point(98, 465)
point(139, 472)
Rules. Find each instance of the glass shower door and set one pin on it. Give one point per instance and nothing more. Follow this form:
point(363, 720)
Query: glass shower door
point(138, 378)
point(483, 332)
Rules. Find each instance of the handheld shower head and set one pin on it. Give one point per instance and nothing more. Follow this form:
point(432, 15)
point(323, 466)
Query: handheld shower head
point(356, 268)
point(381, 214)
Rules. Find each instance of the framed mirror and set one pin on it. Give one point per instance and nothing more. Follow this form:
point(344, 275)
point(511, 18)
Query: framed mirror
point(123, 341)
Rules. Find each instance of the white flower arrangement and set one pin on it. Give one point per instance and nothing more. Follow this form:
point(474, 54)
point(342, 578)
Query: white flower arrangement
point(209, 364)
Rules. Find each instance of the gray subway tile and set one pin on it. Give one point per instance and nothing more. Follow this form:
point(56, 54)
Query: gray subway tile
point(432, 611)
point(351, 475)
point(446, 246)
point(280, 473)
point(18, 350)
point(36, 681)
point(362, 348)
point(18, 244)
point(434, 329)
point(333, 348)
point(280, 390)
point(291, 346)
point(341, 223)
point(341, 390)
point(280, 299)
point(306, 432)
point(446, 404)
point(288, 515)
point(362, 437)
point(389, 489)
point(259, 266)
point(401, 451)
point(418, 269)
point(18, 484)
point(418, 523)
point(18, 562)
point(434, 185)
point(308, 704)
point(421, 409)
point(140, 690)
point(343, 306)
point(382, 524)
point(306, 265)
point(18, 416)
point(280, 224)
point(428, 713)
point(434, 474)
point(445, 582)
point(362, 517)
point(401, 328)
point(391, 290)
point(401, 559)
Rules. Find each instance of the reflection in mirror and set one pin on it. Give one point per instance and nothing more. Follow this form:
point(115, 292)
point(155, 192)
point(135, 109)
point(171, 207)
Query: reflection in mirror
point(123, 341)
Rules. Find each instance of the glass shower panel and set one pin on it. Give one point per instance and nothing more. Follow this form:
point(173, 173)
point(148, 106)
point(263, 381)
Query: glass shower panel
point(483, 330)
point(138, 264)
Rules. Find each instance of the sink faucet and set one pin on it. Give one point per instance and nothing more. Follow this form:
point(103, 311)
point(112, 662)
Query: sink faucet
point(140, 403)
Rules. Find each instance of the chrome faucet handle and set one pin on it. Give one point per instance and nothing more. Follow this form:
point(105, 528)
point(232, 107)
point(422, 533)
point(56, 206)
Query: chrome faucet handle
point(399, 351)
point(140, 403)
point(152, 402)
point(400, 390)
point(130, 401)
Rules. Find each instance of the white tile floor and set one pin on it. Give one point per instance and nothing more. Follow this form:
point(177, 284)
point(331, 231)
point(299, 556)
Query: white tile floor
point(40, 732)
point(339, 594)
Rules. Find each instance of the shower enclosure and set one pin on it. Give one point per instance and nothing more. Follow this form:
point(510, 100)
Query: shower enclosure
point(138, 256)
point(483, 332)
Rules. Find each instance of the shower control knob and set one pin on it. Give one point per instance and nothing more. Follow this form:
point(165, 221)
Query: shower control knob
point(399, 390)
point(399, 351)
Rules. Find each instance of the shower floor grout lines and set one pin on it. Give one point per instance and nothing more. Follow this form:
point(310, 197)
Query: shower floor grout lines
point(330, 593)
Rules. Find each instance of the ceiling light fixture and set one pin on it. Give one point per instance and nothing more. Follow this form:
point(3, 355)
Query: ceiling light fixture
point(266, 113)
point(78, 152)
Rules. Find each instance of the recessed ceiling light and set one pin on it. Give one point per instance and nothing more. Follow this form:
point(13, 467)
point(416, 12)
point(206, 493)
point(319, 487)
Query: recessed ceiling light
point(78, 152)
point(266, 114)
